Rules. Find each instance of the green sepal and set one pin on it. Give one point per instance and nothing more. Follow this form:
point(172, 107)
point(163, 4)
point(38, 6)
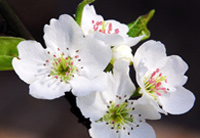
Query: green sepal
point(139, 27)
point(79, 11)
point(8, 50)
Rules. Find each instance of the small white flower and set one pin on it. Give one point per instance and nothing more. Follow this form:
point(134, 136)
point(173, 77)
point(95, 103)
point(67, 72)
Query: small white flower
point(161, 78)
point(115, 33)
point(70, 61)
point(111, 32)
point(111, 112)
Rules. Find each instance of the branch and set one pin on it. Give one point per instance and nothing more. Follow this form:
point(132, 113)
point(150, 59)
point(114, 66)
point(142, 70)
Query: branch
point(13, 20)
point(76, 111)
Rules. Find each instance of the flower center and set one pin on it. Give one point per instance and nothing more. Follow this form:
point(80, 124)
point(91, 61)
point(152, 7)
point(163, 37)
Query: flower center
point(63, 67)
point(118, 115)
point(154, 84)
point(104, 27)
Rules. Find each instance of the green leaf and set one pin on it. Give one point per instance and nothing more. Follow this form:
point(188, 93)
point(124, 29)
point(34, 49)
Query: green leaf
point(79, 11)
point(139, 27)
point(8, 50)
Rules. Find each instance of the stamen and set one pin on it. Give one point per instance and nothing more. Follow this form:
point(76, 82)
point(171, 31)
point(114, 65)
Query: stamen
point(116, 31)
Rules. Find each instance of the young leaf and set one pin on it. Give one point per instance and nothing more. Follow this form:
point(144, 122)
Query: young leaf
point(79, 11)
point(8, 50)
point(139, 27)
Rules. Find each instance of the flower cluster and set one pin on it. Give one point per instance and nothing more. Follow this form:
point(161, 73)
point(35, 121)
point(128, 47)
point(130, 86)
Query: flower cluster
point(77, 59)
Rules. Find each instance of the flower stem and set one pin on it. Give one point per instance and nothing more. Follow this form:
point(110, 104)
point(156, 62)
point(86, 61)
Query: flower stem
point(13, 21)
point(136, 93)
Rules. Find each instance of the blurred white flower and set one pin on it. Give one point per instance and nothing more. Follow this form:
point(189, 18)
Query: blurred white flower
point(112, 113)
point(70, 61)
point(161, 78)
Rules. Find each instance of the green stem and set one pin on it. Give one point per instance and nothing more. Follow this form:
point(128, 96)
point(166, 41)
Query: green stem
point(13, 20)
point(136, 93)
point(109, 67)
point(79, 10)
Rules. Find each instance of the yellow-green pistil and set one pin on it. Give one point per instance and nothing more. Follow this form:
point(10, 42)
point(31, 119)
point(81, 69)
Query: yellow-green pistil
point(118, 115)
point(63, 68)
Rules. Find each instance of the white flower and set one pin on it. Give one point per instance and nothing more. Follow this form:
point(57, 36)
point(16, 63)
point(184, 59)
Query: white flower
point(111, 32)
point(161, 78)
point(111, 112)
point(70, 61)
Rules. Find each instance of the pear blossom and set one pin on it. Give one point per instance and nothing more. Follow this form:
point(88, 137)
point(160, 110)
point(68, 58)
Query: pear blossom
point(112, 113)
point(110, 31)
point(71, 62)
point(161, 78)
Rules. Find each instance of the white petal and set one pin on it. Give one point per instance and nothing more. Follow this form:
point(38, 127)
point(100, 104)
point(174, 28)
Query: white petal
point(88, 15)
point(131, 41)
point(143, 131)
point(82, 86)
point(62, 33)
point(48, 88)
point(92, 106)
point(152, 52)
point(144, 107)
point(123, 28)
point(141, 70)
point(32, 57)
point(109, 39)
point(178, 102)
point(94, 57)
point(175, 69)
point(122, 84)
point(101, 130)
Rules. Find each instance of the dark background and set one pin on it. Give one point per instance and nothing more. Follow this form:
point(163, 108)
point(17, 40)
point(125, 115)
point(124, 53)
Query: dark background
point(176, 24)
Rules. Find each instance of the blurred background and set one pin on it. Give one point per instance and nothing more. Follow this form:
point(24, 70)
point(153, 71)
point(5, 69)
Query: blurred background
point(176, 24)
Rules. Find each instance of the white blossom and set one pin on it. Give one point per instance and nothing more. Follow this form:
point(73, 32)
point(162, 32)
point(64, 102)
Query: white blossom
point(161, 78)
point(112, 113)
point(110, 31)
point(70, 61)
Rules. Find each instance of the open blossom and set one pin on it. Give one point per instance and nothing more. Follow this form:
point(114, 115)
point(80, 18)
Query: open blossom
point(70, 61)
point(161, 78)
point(111, 32)
point(112, 114)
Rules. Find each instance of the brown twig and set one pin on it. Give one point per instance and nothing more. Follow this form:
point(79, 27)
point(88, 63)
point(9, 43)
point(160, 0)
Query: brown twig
point(13, 21)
